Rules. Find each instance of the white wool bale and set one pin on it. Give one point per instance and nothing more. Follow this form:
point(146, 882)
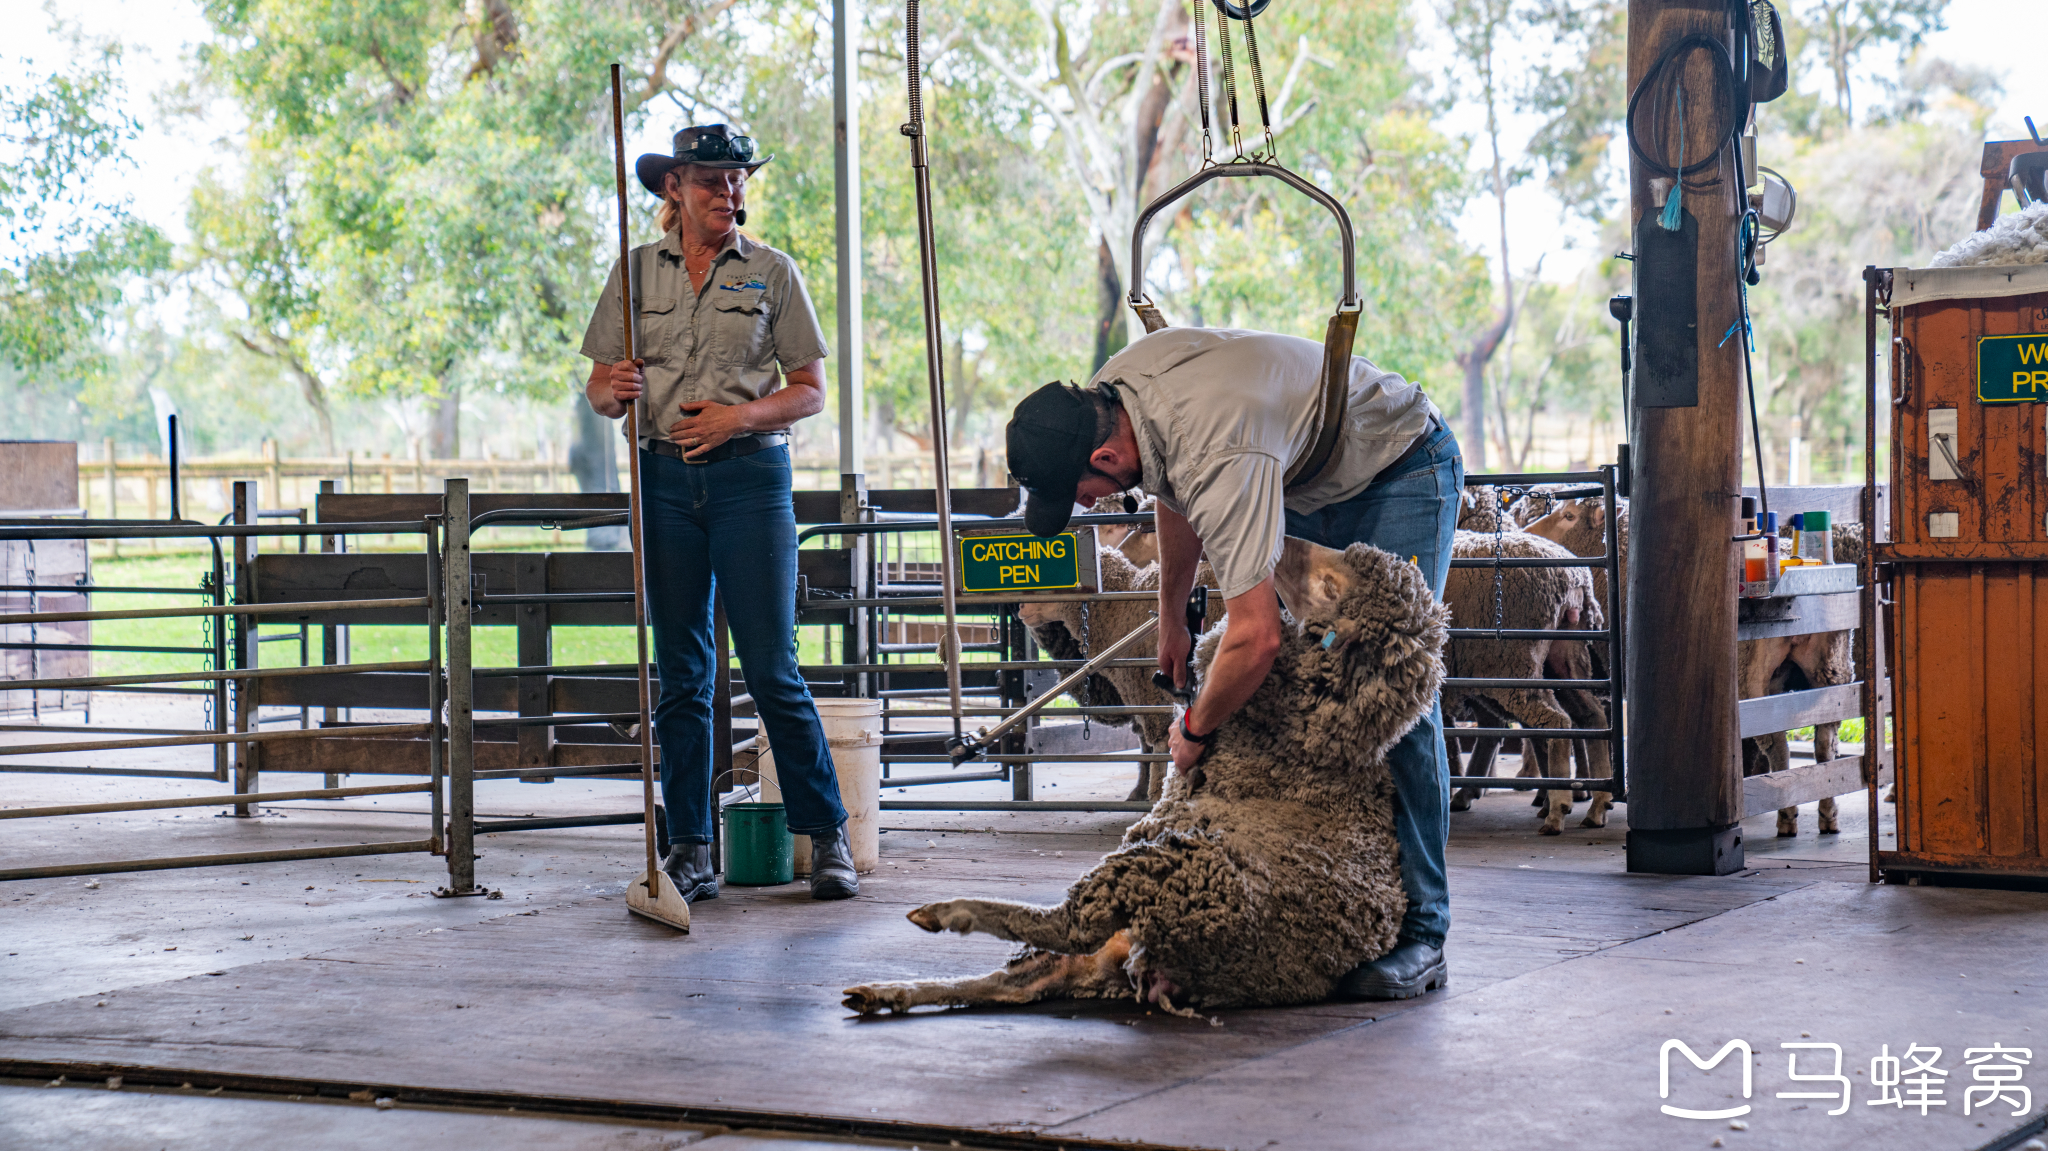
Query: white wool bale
point(2019, 238)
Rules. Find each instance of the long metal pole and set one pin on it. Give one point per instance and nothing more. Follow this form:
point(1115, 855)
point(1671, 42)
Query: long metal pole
point(634, 510)
point(847, 234)
point(934, 357)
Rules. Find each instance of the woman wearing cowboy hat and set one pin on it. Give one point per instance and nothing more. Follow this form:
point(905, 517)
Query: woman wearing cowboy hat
point(717, 314)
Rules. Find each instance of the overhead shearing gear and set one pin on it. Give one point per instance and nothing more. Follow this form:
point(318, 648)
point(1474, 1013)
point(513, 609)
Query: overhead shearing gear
point(1343, 327)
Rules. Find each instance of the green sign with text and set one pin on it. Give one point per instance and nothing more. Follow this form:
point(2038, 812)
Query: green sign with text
point(2012, 369)
point(1019, 563)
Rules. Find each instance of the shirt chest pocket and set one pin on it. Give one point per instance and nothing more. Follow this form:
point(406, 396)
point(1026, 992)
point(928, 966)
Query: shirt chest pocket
point(657, 325)
point(738, 333)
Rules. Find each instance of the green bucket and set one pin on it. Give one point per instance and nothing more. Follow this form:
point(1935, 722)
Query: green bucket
point(758, 849)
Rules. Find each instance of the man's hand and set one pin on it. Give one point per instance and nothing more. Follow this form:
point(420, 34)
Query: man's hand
point(627, 382)
point(706, 425)
point(1185, 751)
point(1174, 645)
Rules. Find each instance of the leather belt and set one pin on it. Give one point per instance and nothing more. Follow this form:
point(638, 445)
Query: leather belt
point(1394, 469)
point(731, 449)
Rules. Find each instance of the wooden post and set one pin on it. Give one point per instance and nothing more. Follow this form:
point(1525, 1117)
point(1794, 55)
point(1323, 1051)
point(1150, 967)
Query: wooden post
point(275, 473)
point(536, 692)
point(1684, 750)
point(248, 756)
point(113, 497)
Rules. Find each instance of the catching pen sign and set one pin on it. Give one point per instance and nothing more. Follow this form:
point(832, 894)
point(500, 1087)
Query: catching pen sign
point(2012, 369)
point(1020, 563)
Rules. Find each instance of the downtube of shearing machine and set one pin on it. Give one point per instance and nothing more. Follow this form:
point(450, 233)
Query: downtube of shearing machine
point(635, 516)
point(934, 359)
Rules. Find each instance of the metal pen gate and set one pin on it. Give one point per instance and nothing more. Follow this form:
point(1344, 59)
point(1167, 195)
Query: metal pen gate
point(234, 736)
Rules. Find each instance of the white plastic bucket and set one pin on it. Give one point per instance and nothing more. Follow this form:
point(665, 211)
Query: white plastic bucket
point(853, 730)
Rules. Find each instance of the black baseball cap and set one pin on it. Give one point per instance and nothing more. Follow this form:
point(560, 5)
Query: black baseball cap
point(1051, 435)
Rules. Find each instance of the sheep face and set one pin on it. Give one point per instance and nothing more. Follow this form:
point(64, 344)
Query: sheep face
point(1361, 670)
point(1587, 517)
point(1312, 579)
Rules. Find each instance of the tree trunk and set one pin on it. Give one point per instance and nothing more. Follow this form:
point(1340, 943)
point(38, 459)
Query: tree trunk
point(1474, 360)
point(444, 434)
point(596, 469)
point(1110, 334)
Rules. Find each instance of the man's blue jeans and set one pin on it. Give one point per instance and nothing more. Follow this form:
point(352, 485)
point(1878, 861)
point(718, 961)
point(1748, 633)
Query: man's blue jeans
point(1413, 515)
point(729, 528)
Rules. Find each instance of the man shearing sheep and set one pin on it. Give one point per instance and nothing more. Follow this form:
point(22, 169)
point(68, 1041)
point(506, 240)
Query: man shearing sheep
point(1212, 422)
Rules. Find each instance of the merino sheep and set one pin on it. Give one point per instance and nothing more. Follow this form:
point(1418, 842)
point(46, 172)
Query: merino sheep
point(1529, 598)
point(1794, 663)
point(1268, 871)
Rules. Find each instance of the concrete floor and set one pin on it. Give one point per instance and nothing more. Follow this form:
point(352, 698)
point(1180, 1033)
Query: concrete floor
point(1567, 977)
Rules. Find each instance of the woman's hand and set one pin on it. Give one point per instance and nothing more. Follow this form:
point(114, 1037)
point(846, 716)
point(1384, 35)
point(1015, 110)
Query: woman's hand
point(627, 382)
point(705, 425)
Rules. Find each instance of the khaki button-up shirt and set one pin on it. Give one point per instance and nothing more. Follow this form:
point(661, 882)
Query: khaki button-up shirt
point(753, 322)
point(1220, 414)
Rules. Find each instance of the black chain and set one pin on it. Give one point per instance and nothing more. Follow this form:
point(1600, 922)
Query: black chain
point(1087, 696)
point(1499, 498)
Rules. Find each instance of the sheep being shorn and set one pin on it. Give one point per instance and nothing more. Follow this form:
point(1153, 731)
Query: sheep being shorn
point(1269, 870)
point(1529, 598)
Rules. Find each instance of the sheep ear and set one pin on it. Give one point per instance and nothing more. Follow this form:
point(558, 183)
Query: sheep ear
point(1341, 635)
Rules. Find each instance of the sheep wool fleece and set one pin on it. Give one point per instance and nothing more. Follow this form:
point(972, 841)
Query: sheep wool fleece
point(1271, 868)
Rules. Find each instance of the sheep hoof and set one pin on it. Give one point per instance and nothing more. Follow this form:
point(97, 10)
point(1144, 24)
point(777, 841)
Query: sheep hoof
point(952, 915)
point(1594, 819)
point(1550, 828)
point(871, 999)
point(1462, 800)
point(1580, 796)
point(1830, 829)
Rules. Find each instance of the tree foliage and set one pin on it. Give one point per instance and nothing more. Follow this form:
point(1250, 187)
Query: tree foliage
point(71, 247)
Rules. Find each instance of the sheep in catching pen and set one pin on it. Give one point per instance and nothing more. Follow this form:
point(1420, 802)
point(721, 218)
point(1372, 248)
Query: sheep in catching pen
point(1060, 629)
point(1533, 598)
point(1267, 871)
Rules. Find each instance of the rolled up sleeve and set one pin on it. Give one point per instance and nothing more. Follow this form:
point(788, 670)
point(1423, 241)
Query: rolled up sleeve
point(798, 338)
point(1239, 516)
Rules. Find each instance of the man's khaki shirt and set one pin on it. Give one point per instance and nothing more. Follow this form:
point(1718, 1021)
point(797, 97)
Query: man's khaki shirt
point(730, 345)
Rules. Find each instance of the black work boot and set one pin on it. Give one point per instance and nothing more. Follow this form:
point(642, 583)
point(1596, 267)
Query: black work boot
point(1407, 971)
point(689, 866)
point(832, 873)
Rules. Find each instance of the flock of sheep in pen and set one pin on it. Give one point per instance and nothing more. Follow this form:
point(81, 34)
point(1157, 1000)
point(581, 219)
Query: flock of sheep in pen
point(1535, 524)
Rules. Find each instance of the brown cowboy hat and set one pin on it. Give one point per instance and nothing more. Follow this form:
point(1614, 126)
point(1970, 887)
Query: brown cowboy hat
point(709, 145)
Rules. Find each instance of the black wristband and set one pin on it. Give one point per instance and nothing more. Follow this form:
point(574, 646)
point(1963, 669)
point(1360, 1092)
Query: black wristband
point(1204, 740)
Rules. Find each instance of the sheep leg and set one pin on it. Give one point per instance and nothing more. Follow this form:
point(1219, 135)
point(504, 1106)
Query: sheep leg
point(1030, 977)
point(1828, 661)
point(1585, 710)
point(1536, 710)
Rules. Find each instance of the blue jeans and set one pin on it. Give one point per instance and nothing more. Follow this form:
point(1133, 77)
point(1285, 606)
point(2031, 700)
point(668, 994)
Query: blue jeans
point(1411, 515)
point(729, 528)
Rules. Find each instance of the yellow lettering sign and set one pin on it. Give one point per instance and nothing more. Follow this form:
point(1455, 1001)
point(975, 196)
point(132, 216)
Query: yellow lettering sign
point(2034, 353)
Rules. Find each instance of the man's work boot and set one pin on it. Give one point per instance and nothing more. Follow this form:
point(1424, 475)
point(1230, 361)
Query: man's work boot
point(689, 866)
point(1403, 973)
point(832, 873)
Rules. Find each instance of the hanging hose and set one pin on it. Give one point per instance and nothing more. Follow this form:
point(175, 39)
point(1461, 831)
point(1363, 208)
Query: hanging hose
point(934, 358)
